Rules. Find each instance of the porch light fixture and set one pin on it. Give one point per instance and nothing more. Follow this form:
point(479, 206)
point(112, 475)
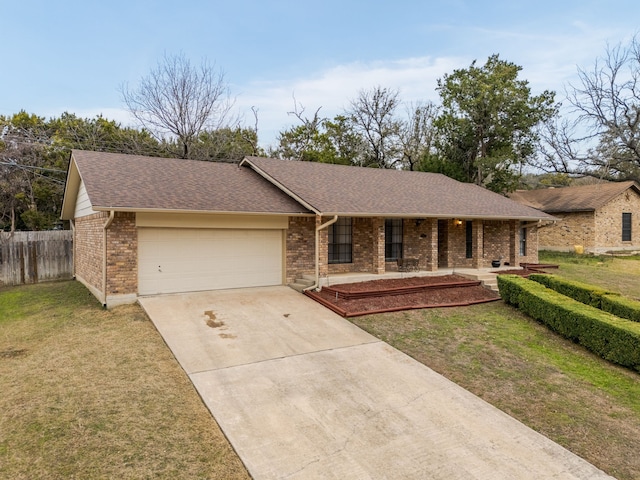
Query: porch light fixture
point(419, 221)
point(457, 222)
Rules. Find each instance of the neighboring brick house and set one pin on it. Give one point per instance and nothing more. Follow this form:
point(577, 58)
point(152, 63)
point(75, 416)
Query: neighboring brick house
point(148, 225)
point(597, 218)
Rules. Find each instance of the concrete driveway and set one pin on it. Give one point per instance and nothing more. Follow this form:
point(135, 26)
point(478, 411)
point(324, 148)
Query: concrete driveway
point(302, 393)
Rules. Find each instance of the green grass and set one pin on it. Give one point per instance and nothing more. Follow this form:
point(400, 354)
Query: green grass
point(91, 393)
point(620, 274)
point(555, 386)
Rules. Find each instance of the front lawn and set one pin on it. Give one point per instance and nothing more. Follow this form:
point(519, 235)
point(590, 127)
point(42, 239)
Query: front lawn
point(556, 387)
point(618, 273)
point(91, 393)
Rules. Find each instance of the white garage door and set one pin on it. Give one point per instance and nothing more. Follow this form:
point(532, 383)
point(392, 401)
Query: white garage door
point(174, 260)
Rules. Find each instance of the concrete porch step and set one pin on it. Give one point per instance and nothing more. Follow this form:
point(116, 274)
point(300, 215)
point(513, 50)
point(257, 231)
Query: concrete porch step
point(489, 280)
point(303, 282)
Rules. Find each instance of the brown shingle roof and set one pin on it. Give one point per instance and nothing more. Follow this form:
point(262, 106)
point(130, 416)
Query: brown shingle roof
point(584, 198)
point(133, 182)
point(356, 191)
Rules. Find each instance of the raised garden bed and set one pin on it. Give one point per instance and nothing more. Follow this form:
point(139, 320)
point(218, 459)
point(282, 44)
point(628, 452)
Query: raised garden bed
point(378, 296)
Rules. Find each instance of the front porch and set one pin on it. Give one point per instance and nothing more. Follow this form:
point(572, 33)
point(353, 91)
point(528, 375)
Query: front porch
point(369, 248)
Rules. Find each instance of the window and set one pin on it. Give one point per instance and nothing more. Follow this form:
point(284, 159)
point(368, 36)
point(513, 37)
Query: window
point(523, 241)
point(626, 227)
point(469, 238)
point(340, 241)
point(392, 239)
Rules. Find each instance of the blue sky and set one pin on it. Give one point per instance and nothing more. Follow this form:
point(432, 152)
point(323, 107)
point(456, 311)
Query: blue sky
point(73, 55)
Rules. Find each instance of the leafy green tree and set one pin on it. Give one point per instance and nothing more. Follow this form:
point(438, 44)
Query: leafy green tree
point(27, 177)
point(34, 157)
point(226, 144)
point(318, 139)
point(487, 126)
point(102, 135)
point(370, 133)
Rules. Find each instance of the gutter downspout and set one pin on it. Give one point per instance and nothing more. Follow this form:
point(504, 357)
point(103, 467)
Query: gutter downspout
point(318, 228)
point(106, 225)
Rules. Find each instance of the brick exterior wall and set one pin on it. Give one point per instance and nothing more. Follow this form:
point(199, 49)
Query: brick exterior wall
point(365, 243)
point(608, 222)
point(492, 240)
point(531, 248)
point(300, 248)
point(88, 249)
point(420, 240)
point(122, 255)
point(595, 231)
point(571, 229)
point(498, 236)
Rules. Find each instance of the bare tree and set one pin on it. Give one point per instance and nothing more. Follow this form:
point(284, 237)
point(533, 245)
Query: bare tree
point(417, 134)
point(180, 100)
point(372, 115)
point(604, 141)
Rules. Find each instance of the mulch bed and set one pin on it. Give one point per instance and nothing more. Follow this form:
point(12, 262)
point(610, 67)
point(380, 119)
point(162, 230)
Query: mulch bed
point(389, 295)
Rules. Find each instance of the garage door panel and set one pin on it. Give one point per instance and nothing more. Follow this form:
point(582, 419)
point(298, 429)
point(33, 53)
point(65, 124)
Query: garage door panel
point(175, 260)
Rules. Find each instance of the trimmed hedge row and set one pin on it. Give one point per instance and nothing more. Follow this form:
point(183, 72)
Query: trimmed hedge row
point(591, 295)
point(612, 338)
point(587, 294)
point(622, 307)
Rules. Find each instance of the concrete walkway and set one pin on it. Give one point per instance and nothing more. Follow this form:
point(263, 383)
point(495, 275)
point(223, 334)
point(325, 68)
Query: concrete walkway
point(302, 393)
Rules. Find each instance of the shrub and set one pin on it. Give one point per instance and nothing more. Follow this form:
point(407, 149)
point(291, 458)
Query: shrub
point(612, 338)
point(591, 295)
point(582, 292)
point(621, 307)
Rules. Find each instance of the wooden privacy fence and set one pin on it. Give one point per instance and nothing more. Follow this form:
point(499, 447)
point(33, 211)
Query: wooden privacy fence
point(32, 257)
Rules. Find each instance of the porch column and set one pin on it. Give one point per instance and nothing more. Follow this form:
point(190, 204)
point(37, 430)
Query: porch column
point(477, 244)
point(378, 263)
point(323, 249)
point(431, 244)
point(514, 249)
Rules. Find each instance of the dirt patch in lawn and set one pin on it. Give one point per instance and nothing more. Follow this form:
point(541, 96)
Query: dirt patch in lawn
point(389, 295)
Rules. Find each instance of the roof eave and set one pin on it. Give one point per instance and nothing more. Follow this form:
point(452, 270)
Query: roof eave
point(527, 218)
point(71, 187)
point(104, 208)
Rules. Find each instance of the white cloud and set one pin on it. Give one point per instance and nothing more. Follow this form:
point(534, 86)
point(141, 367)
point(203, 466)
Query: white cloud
point(549, 61)
point(332, 89)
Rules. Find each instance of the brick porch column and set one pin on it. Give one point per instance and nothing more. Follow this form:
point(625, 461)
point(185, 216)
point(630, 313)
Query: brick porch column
point(431, 244)
point(377, 225)
point(478, 242)
point(514, 249)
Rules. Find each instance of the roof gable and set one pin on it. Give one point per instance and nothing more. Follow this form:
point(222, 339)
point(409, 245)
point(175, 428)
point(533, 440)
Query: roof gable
point(138, 183)
point(583, 198)
point(357, 191)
